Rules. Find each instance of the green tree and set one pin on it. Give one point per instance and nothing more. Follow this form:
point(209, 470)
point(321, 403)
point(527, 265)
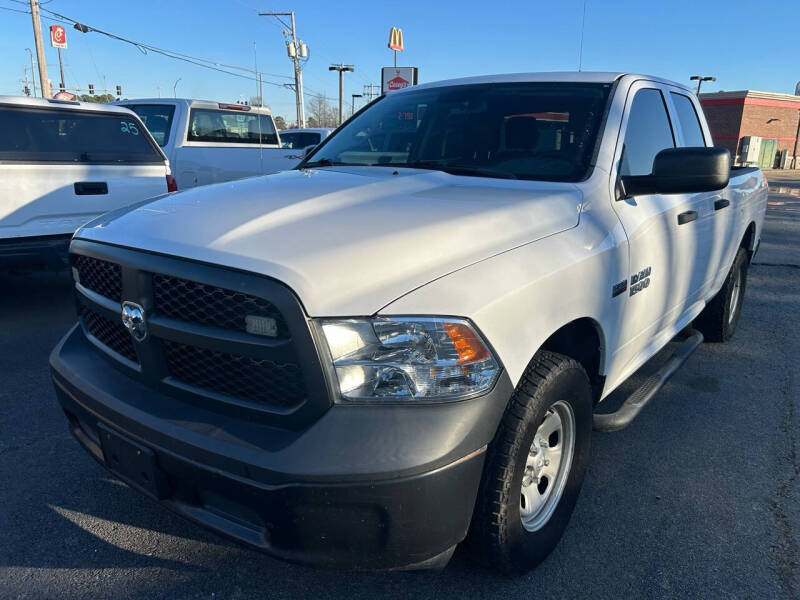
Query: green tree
point(280, 122)
point(100, 99)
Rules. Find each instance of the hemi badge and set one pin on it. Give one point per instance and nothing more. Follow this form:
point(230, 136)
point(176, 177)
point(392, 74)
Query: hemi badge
point(619, 288)
point(256, 325)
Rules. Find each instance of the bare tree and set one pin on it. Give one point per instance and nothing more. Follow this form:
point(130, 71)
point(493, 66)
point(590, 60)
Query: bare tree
point(322, 112)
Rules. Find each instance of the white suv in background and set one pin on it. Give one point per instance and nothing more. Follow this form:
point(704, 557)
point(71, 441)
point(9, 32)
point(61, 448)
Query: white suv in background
point(209, 142)
point(63, 163)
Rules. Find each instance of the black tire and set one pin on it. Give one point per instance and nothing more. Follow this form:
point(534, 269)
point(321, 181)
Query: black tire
point(497, 536)
point(719, 318)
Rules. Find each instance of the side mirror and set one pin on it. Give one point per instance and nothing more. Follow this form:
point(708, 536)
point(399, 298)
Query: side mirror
point(681, 171)
point(308, 149)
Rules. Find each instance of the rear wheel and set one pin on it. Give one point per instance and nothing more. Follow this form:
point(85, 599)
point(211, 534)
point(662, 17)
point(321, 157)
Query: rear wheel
point(535, 466)
point(719, 318)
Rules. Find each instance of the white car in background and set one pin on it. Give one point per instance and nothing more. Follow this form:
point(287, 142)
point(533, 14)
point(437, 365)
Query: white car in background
point(63, 163)
point(303, 138)
point(209, 142)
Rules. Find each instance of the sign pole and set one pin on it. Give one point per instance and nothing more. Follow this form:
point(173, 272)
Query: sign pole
point(61, 69)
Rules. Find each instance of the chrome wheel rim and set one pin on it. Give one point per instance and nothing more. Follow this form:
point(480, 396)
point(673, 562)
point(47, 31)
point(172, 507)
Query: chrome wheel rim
point(736, 292)
point(547, 466)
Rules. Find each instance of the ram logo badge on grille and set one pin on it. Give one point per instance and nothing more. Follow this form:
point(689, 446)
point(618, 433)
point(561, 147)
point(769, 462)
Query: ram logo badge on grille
point(134, 321)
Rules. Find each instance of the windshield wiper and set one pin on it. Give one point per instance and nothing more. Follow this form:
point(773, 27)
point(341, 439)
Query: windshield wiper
point(458, 169)
point(322, 162)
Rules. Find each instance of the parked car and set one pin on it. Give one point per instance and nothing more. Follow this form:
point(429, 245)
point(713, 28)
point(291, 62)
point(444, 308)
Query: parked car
point(304, 138)
point(209, 142)
point(62, 163)
point(404, 340)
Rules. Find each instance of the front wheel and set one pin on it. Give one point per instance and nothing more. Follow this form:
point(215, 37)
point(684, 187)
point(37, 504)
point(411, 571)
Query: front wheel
point(534, 466)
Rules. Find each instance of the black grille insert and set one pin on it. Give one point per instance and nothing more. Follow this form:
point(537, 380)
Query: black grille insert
point(211, 305)
point(111, 334)
point(258, 380)
point(100, 276)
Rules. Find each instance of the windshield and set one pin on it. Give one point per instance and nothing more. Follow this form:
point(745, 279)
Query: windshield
point(541, 131)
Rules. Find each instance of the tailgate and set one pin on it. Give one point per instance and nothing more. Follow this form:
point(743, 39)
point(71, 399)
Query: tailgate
point(56, 199)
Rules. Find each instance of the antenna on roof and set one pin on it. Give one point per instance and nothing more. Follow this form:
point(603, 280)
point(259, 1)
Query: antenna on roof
point(583, 24)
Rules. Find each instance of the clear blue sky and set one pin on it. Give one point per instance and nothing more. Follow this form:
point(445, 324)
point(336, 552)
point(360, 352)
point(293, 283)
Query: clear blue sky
point(743, 43)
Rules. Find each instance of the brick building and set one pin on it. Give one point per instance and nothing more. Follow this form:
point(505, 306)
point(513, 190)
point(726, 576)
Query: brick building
point(771, 116)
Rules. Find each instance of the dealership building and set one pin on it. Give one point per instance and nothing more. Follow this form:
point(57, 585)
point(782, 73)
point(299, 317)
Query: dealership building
point(759, 128)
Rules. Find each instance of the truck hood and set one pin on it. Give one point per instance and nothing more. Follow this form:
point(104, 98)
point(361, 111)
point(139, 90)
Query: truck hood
point(348, 241)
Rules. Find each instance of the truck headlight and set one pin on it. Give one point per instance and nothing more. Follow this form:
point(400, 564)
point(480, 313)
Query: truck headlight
point(409, 358)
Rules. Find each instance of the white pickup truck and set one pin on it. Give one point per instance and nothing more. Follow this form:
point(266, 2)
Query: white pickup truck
point(63, 163)
point(400, 345)
point(209, 142)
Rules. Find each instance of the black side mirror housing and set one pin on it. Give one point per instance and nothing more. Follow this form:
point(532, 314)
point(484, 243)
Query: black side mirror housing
point(308, 149)
point(681, 171)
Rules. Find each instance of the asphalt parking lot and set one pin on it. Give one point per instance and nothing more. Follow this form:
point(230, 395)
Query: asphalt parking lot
point(699, 497)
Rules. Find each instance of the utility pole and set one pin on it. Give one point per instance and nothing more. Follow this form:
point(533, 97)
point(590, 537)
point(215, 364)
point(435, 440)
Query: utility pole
point(369, 91)
point(700, 79)
point(37, 37)
point(33, 72)
point(796, 135)
point(296, 50)
point(342, 69)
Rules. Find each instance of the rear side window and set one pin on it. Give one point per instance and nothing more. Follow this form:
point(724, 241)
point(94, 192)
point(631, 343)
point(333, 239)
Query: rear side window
point(58, 135)
point(157, 118)
point(648, 133)
point(688, 121)
point(230, 127)
point(299, 139)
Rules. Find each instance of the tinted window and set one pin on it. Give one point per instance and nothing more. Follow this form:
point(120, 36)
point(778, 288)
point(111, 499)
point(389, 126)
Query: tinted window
point(230, 127)
point(544, 131)
point(688, 121)
point(647, 134)
point(157, 118)
point(58, 135)
point(299, 139)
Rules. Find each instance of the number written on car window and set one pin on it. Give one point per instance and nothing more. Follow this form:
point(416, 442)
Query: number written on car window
point(129, 127)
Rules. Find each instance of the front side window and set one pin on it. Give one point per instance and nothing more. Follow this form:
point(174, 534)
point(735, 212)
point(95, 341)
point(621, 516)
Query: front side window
point(541, 131)
point(157, 118)
point(62, 135)
point(230, 127)
point(688, 121)
point(648, 133)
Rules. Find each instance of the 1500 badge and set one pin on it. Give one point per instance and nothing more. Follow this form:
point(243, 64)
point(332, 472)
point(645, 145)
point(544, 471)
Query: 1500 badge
point(640, 281)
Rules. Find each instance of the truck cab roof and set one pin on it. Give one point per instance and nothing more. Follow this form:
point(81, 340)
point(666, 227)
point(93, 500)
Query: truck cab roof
point(195, 103)
point(27, 101)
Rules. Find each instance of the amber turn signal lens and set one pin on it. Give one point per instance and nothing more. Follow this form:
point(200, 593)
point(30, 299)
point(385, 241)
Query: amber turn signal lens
point(469, 347)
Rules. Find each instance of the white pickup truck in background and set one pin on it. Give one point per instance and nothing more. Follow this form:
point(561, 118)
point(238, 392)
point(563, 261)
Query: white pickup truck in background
point(401, 344)
point(62, 163)
point(209, 142)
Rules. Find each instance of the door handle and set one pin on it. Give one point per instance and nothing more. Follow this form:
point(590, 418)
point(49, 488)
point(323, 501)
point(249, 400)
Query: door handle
point(721, 203)
point(90, 188)
point(687, 217)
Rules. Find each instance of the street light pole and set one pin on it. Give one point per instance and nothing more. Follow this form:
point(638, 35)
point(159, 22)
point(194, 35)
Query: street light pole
point(33, 72)
point(37, 38)
point(175, 88)
point(342, 69)
point(700, 79)
point(353, 105)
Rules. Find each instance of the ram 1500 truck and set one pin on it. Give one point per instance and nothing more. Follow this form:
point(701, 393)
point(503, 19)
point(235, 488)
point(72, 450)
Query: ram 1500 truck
point(400, 345)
